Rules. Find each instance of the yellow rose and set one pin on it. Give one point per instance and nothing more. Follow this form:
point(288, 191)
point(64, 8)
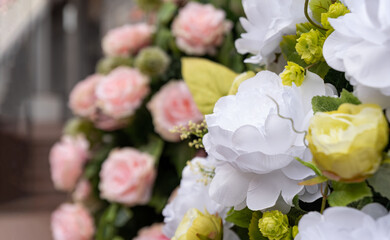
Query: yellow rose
point(196, 225)
point(347, 144)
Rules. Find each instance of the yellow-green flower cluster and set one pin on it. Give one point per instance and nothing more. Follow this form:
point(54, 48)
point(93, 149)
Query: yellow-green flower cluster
point(347, 144)
point(197, 225)
point(335, 10)
point(274, 226)
point(309, 46)
point(293, 73)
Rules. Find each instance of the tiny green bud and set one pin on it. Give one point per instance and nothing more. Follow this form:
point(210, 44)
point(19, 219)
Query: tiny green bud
point(107, 64)
point(274, 226)
point(335, 10)
point(293, 73)
point(309, 46)
point(152, 61)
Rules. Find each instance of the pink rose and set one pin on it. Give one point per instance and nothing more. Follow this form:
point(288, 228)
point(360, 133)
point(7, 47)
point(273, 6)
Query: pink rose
point(82, 99)
point(127, 40)
point(200, 28)
point(67, 159)
point(83, 191)
point(127, 177)
point(121, 92)
point(72, 222)
point(173, 106)
point(153, 232)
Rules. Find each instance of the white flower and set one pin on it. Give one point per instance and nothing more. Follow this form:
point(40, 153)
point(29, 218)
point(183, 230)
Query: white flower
point(267, 21)
point(193, 193)
point(373, 95)
point(257, 148)
point(360, 44)
point(343, 223)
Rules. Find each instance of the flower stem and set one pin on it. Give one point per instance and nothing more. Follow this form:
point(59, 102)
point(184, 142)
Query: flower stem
point(324, 197)
point(308, 17)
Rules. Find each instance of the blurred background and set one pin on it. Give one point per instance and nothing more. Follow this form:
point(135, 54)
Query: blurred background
point(46, 47)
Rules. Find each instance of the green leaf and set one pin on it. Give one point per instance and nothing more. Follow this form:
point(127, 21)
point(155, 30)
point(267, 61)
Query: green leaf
point(163, 38)
point(321, 69)
point(314, 181)
point(327, 104)
point(287, 45)
point(304, 28)
point(381, 181)
point(346, 193)
point(254, 231)
point(154, 147)
point(309, 165)
point(241, 218)
point(166, 13)
point(208, 81)
point(123, 216)
point(338, 80)
point(318, 7)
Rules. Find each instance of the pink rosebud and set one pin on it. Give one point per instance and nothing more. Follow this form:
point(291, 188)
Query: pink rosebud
point(72, 222)
point(82, 99)
point(83, 191)
point(121, 92)
point(127, 177)
point(173, 106)
point(126, 40)
point(200, 28)
point(153, 232)
point(67, 159)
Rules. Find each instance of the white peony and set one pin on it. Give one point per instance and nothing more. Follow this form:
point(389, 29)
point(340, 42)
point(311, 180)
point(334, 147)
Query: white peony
point(343, 223)
point(194, 193)
point(373, 95)
point(257, 148)
point(267, 21)
point(360, 44)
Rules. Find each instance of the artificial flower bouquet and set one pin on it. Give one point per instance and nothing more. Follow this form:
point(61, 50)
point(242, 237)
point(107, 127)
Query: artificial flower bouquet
point(295, 132)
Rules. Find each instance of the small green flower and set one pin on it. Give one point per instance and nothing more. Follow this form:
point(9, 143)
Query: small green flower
point(152, 61)
point(295, 231)
point(274, 226)
point(309, 46)
point(293, 73)
point(149, 5)
point(335, 10)
point(107, 64)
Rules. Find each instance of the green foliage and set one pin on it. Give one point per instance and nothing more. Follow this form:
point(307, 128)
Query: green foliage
point(327, 104)
point(208, 81)
point(318, 7)
point(113, 217)
point(107, 64)
point(154, 147)
point(381, 180)
point(179, 154)
point(166, 13)
point(346, 193)
point(253, 230)
point(338, 80)
point(241, 218)
point(304, 28)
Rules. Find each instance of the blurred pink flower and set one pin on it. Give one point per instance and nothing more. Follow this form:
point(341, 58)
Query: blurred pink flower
point(173, 106)
point(108, 123)
point(67, 159)
point(82, 191)
point(121, 92)
point(82, 99)
point(72, 222)
point(153, 232)
point(127, 177)
point(200, 28)
point(127, 40)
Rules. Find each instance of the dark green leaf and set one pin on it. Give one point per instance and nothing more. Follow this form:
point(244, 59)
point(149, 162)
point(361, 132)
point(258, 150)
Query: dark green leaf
point(318, 7)
point(381, 181)
point(254, 231)
point(304, 28)
point(154, 147)
point(288, 50)
point(321, 69)
point(123, 216)
point(241, 218)
point(166, 13)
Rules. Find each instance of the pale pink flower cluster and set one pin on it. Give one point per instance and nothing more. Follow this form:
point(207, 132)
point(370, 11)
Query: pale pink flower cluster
point(82, 191)
point(67, 159)
point(153, 232)
point(200, 28)
point(72, 222)
point(127, 40)
point(109, 100)
point(127, 177)
point(173, 106)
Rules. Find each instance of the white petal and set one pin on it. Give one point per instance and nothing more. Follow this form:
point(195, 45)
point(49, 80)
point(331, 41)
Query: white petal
point(375, 210)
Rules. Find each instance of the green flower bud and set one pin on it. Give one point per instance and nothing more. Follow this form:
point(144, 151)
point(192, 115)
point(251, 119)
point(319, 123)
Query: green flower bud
point(295, 231)
point(309, 46)
point(107, 64)
point(293, 73)
point(274, 226)
point(149, 5)
point(335, 10)
point(152, 61)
